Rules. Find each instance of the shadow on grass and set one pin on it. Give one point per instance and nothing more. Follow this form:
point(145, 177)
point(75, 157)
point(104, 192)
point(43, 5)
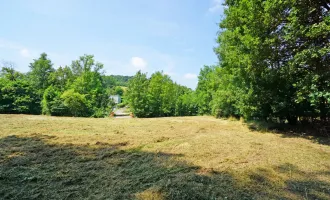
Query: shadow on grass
point(31, 168)
point(298, 184)
point(292, 131)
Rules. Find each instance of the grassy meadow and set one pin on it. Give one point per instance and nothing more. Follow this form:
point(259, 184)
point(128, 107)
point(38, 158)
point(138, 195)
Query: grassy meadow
point(45, 157)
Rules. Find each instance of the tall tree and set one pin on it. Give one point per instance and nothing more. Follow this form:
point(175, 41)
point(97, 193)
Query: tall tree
point(137, 95)
point(274, 55)
point(40, 70)
point(158, 96)
point(16, 93)
point(62, 78)
point(205, 89)
point(8, 71)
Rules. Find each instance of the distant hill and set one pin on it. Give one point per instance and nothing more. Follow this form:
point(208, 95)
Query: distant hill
point(116, 80)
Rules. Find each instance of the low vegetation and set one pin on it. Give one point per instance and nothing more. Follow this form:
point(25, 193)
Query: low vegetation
point(45, 157)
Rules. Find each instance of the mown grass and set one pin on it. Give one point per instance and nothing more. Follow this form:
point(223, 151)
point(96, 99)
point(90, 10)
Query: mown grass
point(166, 158)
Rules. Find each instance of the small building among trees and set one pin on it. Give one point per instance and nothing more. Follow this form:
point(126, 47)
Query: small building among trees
point(116, 98)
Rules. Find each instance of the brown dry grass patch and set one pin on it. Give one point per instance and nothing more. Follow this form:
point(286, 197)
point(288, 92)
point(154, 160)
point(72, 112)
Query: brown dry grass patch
point(165, 158)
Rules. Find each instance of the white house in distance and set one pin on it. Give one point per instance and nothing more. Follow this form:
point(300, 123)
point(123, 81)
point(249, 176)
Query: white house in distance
point(116, 98)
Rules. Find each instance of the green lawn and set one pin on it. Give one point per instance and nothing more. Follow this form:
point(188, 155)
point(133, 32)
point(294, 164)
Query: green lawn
point(166, 158)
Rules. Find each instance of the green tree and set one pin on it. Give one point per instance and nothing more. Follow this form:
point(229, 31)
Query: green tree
point(159, 97)
point(53, 104)
point(62, 78)
point(186, 102)
point(8, 72)
point(76, 103)
point(119, 90)
point(40, 71)
point(16, 94)
point(137, 95)
point(116, 80)
point(89, 83)
point(205, 89)
point(273, 57)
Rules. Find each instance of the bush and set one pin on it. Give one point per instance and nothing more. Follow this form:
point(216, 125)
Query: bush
point(121, 105)
point(100, 113)
point(52, 104)
point(76, 103)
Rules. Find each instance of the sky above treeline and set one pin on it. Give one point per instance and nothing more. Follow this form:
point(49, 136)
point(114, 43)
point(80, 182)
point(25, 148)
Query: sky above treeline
point(173, 36)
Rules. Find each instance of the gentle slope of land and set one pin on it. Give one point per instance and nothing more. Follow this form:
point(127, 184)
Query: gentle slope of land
point(165, 158)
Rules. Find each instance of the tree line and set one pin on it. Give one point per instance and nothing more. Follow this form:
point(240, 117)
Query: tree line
point(274, 60)
point(116, 80)
point(80, 89)
point(159, 96)
point(273, 65)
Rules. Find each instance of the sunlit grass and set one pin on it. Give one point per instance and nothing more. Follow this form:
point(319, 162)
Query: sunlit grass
point(165, 158)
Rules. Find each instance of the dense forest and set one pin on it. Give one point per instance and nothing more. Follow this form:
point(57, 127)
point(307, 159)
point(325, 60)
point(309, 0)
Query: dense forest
point(274, 60)
point(80, 89)
point(83, 90)
point(116, 80)
point(273, 65)
point(159, 96)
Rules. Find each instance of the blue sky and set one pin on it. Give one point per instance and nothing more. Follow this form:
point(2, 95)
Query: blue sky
point(175, 36)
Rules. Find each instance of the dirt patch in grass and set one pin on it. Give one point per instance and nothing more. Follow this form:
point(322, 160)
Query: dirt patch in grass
point(167, 158)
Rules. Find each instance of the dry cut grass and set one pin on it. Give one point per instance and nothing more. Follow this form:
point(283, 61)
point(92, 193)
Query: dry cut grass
point(166, 158)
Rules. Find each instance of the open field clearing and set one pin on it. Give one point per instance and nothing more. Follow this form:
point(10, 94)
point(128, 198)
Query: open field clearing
point(164, 158)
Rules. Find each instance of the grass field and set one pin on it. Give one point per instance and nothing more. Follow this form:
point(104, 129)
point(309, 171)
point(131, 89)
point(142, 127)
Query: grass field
point(166, 158)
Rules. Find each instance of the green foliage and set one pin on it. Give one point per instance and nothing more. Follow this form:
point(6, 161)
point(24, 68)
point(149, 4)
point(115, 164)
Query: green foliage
point(186, 103)
point(121, 105)
point(76, 103)
point(158, 96)
point(88, 89)
point(62, 78)
point(17, 95)
point(116, 80)
point(137, 95)
point(40, 73)
point(205, 89)
point(274, 59)
point(119, 90)
point(8, 72)
point(52, 104)
point(75, 90)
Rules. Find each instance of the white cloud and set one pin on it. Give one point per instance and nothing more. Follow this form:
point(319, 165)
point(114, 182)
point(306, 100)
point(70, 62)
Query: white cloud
point(22, 55)
point(138, 63)
point(145, 58)
point(216, 6)
point(25, 53)
point(190, 76)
